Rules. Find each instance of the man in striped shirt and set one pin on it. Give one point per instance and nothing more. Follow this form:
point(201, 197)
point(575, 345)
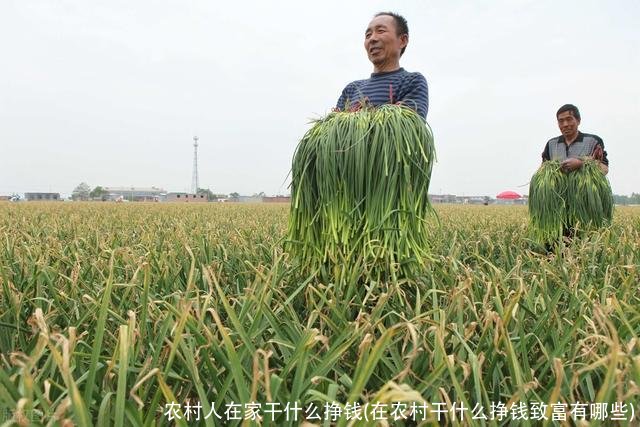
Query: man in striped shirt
point(385, 40)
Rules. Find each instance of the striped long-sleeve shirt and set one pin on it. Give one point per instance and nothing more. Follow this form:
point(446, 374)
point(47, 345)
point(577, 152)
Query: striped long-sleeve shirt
point(388, 88)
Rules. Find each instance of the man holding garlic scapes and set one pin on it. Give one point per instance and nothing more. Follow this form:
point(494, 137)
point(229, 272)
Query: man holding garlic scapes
point(573, 146)
point(385, 40)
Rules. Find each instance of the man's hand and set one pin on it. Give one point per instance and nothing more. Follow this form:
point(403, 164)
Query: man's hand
point(571, 164)
point(598, 154)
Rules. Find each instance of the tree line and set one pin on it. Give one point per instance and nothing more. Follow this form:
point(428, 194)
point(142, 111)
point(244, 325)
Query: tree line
point(634, 199)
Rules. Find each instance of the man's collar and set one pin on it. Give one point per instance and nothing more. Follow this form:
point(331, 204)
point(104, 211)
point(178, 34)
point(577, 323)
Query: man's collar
point(386, 73)
point(578, 138)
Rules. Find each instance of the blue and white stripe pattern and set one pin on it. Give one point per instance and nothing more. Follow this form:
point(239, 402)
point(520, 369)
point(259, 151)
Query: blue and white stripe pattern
point(388, 88)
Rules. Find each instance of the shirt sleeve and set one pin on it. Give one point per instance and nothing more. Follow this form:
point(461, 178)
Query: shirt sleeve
point(417, 96)
point(545, 153)
point(599, 153)
point(344, 96)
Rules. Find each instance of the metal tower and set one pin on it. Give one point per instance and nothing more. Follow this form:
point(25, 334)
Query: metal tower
point(194, 178)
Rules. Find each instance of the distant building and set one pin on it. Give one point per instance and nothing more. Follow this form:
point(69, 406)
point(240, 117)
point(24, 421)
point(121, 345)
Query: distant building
point(42, 196)
point(475, 200)
point(250, 199)
point(5, 198)
point(442, 198)
point(186, 198)
point(277, 199)
point(463, 200)
point(134, 194)
point(521, 201)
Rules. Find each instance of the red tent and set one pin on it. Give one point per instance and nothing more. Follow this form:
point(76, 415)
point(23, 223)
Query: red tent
point(508, 195)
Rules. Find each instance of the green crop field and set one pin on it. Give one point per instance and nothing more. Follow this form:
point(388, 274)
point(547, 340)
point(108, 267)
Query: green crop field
point(155, 314)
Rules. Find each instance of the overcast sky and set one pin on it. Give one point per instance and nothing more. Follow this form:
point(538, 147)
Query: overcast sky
point(112, 92)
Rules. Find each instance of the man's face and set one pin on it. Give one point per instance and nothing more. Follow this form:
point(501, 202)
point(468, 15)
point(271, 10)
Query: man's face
point(382, 42)
point(568, 124)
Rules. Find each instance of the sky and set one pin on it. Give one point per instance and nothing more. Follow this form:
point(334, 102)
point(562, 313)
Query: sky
point(112, 92)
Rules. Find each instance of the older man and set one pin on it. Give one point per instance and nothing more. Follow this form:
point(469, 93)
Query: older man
point(573, 146)
point(385, 40)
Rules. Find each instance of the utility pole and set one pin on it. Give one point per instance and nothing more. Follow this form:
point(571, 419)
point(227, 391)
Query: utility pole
point(194, 178)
